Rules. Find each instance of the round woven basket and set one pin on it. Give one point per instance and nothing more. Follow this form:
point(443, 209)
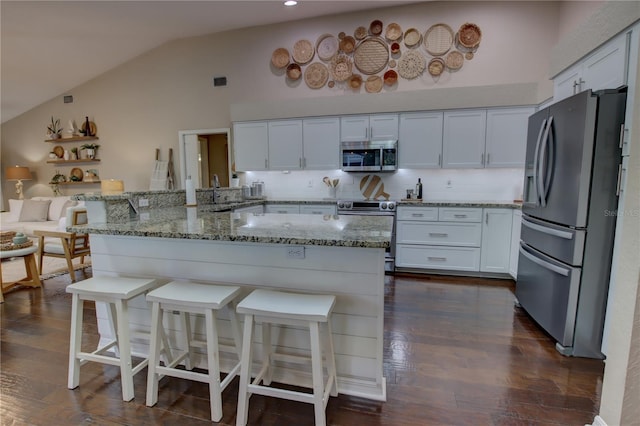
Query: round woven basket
point(436, 67)
point(371, 55)
point(394, 32)
point(303, 51)
point(454, 60)
point(280, 57)
point(373, 84)
point(469, 35)
point(347, 44)
point(327, 47)
point(341, 67)
point(316, 75)
point(412, 37)
point(360, 33)
point(411, 65)
point(438, 39)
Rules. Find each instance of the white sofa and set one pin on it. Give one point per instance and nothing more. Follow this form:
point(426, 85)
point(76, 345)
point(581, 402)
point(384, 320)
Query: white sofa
point(47, 213)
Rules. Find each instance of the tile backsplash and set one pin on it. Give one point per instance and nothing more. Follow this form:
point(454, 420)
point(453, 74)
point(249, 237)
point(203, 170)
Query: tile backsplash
point(438, 184)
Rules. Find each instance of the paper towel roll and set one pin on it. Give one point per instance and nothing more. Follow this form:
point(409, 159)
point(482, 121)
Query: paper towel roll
point(191, 192)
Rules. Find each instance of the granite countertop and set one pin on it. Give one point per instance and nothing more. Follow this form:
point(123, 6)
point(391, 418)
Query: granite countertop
point(200, 224)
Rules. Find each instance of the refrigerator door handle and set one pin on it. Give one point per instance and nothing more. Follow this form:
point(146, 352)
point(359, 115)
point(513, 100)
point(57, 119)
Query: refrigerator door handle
point(554, 232)
point(536, 159)
point(544, 264)
point(543, 170)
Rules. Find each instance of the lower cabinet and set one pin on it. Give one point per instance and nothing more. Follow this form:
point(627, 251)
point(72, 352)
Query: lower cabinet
point(454, 239)
point(318, 209)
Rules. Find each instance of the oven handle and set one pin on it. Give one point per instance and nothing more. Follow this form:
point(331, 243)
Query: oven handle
point(544, 264)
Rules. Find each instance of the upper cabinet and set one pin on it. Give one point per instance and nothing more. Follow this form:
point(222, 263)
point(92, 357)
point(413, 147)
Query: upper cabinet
point(285, 145)
point(250, 145)
point(604, 68)
point(463, 139)
point(321, 143)
point(506, 138)
point(420, 140)
point(358, 128)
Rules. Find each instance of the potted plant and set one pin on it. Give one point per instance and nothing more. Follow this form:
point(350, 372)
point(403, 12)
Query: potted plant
point(91, 149)
point(235, 181)
point(74, 152)
point(54, 129)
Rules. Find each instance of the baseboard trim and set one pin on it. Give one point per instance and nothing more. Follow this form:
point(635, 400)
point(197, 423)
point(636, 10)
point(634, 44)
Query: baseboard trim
point(598, 421)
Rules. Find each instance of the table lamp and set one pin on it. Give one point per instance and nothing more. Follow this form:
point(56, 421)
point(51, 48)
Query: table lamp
point(18, 173)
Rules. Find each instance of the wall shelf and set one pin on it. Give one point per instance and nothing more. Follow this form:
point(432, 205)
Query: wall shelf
point(74, 182)
point(82, 160)
point(73, 139)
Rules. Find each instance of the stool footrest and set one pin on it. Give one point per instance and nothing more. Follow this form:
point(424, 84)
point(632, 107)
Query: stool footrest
point(281, 393)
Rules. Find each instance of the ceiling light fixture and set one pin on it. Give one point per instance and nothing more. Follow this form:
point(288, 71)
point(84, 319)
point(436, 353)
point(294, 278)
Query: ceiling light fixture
point(290, 3)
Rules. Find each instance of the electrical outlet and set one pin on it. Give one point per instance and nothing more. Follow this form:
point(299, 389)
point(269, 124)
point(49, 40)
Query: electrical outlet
point(144, 217)
point(295, 252)
point(143, 202)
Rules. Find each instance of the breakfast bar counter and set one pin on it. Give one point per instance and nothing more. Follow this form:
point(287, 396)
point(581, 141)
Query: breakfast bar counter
point(323, 254)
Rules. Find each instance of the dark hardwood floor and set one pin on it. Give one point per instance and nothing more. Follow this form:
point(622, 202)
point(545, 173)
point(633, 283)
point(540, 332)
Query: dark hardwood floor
point(457, 352)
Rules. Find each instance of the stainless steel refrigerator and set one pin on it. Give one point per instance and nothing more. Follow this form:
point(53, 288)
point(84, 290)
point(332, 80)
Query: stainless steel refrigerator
point(571, 188)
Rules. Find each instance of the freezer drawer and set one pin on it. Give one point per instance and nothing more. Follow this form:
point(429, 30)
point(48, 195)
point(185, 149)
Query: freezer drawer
point(560, 242)
point(436, 257)
point(548, 291)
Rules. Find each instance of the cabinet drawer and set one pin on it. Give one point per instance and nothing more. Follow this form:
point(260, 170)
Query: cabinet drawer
point(317, 209)
point(418, 213)
point(436, 233)
point(458, 214)
point(432, 257)
point(282, 208)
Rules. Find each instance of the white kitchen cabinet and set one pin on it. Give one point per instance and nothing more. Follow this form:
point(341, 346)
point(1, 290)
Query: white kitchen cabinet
point(251, 145)
point(506, 136)
point(604, 68)
point(321, 143)
point(358, 128)
point(516, 224)
point(463, 141)
point(445, 238)
point(282, 208)
point(285, 145)
point(496, 240)
point(250, 209)
point(324, 209)
point(420, 140)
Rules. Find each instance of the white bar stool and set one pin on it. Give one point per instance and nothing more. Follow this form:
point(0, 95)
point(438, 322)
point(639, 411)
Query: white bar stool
point(116, 292)
point(290, 309)
point(193, 298)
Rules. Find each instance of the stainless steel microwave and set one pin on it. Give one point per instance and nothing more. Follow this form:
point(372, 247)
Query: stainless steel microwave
point(369, 156)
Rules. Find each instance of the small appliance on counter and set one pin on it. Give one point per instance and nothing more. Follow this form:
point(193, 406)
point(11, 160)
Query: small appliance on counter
point(257, 189)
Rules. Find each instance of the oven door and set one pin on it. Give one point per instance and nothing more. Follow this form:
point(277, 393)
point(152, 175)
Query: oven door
point(361, 159)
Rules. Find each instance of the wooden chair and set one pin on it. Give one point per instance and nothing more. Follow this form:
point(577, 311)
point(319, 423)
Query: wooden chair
point(65, 245)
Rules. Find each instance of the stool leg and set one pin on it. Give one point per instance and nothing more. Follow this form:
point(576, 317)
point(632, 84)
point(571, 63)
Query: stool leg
point(213, 364)
point(235, 328)
point(126, 373)
point(316, 368)
point(245, 372)
point(185, 320)
point(331, 361)
point(75, 341)
point(266, 353)
point(112, 316)
point(154, 355)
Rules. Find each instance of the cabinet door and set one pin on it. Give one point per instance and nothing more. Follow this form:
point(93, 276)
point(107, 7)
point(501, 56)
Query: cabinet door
point(318, 209)
point(354, 128)
point(496, 240)
point(250, 145)
point(321, 143)
point(516, 224)
point(606, 67)
point(567, 83)
point(285, 145)
point(420, 140)
point(383, 127)
point(507, 136)
point(463, 139)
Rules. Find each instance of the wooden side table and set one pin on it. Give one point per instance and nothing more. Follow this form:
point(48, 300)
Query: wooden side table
point(33, 277)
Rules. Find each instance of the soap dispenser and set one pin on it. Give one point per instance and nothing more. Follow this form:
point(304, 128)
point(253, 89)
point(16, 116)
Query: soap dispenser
point(419, 189)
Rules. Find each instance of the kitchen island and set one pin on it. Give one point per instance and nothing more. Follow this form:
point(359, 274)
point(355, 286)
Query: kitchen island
point(340, 255)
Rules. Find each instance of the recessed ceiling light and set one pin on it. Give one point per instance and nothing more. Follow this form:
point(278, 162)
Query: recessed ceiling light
point(290, 3)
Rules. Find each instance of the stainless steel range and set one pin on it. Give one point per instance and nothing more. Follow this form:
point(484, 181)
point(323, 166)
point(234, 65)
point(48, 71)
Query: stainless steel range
point(374, 208)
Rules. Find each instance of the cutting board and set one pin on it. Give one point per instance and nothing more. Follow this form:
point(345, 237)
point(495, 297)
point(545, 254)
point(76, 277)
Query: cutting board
point(372, 187)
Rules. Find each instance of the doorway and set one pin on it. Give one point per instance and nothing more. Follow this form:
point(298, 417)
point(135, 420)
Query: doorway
point(203, 154)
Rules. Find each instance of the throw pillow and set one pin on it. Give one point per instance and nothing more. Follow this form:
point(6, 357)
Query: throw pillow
point(15, 207)
point(34, 211)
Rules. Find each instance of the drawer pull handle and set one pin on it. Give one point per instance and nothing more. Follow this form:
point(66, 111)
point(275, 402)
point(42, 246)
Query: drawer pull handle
point(417, 214)
point(460, 216)
point(438, 234)
point(440, 259)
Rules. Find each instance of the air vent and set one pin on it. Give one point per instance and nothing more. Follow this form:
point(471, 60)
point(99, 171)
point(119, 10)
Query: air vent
point(219, 81)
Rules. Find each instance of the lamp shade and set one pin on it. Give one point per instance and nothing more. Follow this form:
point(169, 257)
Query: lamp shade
point(18, 173)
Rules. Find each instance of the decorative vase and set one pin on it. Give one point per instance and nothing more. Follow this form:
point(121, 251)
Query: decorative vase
point(91, 153)
point(67, 155)
point(235, 182)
